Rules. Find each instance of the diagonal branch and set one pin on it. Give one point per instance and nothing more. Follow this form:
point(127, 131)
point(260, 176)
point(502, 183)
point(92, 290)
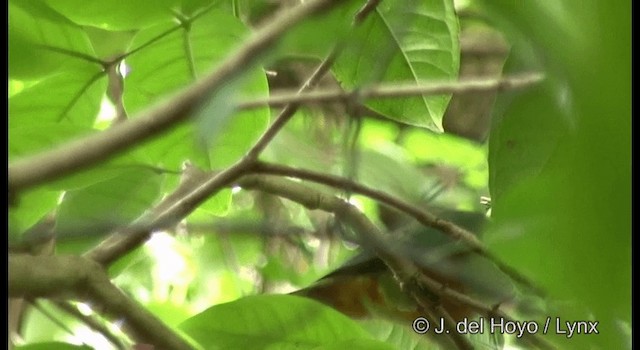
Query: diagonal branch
point(73, 277)
point(422, 216)
point(93, 149)
point(397, 91)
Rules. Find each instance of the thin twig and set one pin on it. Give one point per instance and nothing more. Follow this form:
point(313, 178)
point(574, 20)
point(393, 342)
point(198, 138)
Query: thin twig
point(95, 148)
point(396, 91)
point(424, 217)
point(290, 109)
point(90, 322)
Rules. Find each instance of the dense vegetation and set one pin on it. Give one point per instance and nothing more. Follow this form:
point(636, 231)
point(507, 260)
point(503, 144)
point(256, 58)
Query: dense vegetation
point(176, 168)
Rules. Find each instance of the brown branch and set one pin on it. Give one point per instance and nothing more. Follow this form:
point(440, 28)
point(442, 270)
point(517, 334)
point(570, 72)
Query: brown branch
point(424, 217)
point(95, 148)
point(78, 278)
point(421, 215)
point(397, 91)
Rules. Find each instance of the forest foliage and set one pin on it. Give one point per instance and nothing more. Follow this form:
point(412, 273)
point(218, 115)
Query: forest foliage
point(170, 173)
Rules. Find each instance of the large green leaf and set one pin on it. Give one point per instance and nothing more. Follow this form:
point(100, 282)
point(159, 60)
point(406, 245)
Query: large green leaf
point(52, 346)
point(56, 58)
point(563, 208)
point(114, 14)
point(35, 33)
point(305, 40)
point(277, 321)
point(408, 42)
point(178, 57)
point(67, 96)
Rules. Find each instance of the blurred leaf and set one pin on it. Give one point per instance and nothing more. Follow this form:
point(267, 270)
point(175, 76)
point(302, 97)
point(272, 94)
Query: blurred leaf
point(390, 172)
point(446, 149)
point(305, 40)
point(569, 227)
point(404, 42)
point(34, 29)
point(33, 205)
point(170, 313)
point(108, 44)
point(281, 321)
point(52, 346)
point(29, 139)
point(355, 344)
point(399, 335)
point(107, 204)
point(114, 14)
point(69, 97)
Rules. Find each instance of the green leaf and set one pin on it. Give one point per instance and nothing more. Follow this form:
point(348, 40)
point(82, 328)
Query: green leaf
point(355, 344)
point(100, 207)
point(69, 97)
point(569, 226)
point(114, 14)
point(404, 43)
point(281, 321)
point(28, 139)
point(399, 335)
point(305, 40)
point(35, 33)
point(52, 346)
point(179, 56)
point(33, 205)
point(55, 59)
point(109, 44)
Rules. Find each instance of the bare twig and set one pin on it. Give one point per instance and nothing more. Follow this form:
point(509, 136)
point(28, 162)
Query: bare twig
point(422, 216)
point(92, 149)
point(90, 322)
point(292, 106)
point(290, 109)
point(397, 91)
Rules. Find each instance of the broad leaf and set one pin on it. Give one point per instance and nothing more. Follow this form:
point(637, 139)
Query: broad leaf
point(404, 42)
point(114, 14)
point(281, 321)
point(173, 56)
point(52, 346)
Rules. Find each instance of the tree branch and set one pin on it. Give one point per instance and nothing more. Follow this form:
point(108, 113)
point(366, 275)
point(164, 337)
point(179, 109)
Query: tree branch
point(396, 91)
point(424, 217)
point(95, 148)
point(90, 322)
point(291, 106)
point(73, 277)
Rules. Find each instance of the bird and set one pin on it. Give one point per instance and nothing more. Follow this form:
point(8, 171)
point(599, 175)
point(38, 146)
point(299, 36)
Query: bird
point(364, 287)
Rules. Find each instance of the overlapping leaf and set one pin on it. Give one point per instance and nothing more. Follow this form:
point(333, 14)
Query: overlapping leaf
point(408, 42)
